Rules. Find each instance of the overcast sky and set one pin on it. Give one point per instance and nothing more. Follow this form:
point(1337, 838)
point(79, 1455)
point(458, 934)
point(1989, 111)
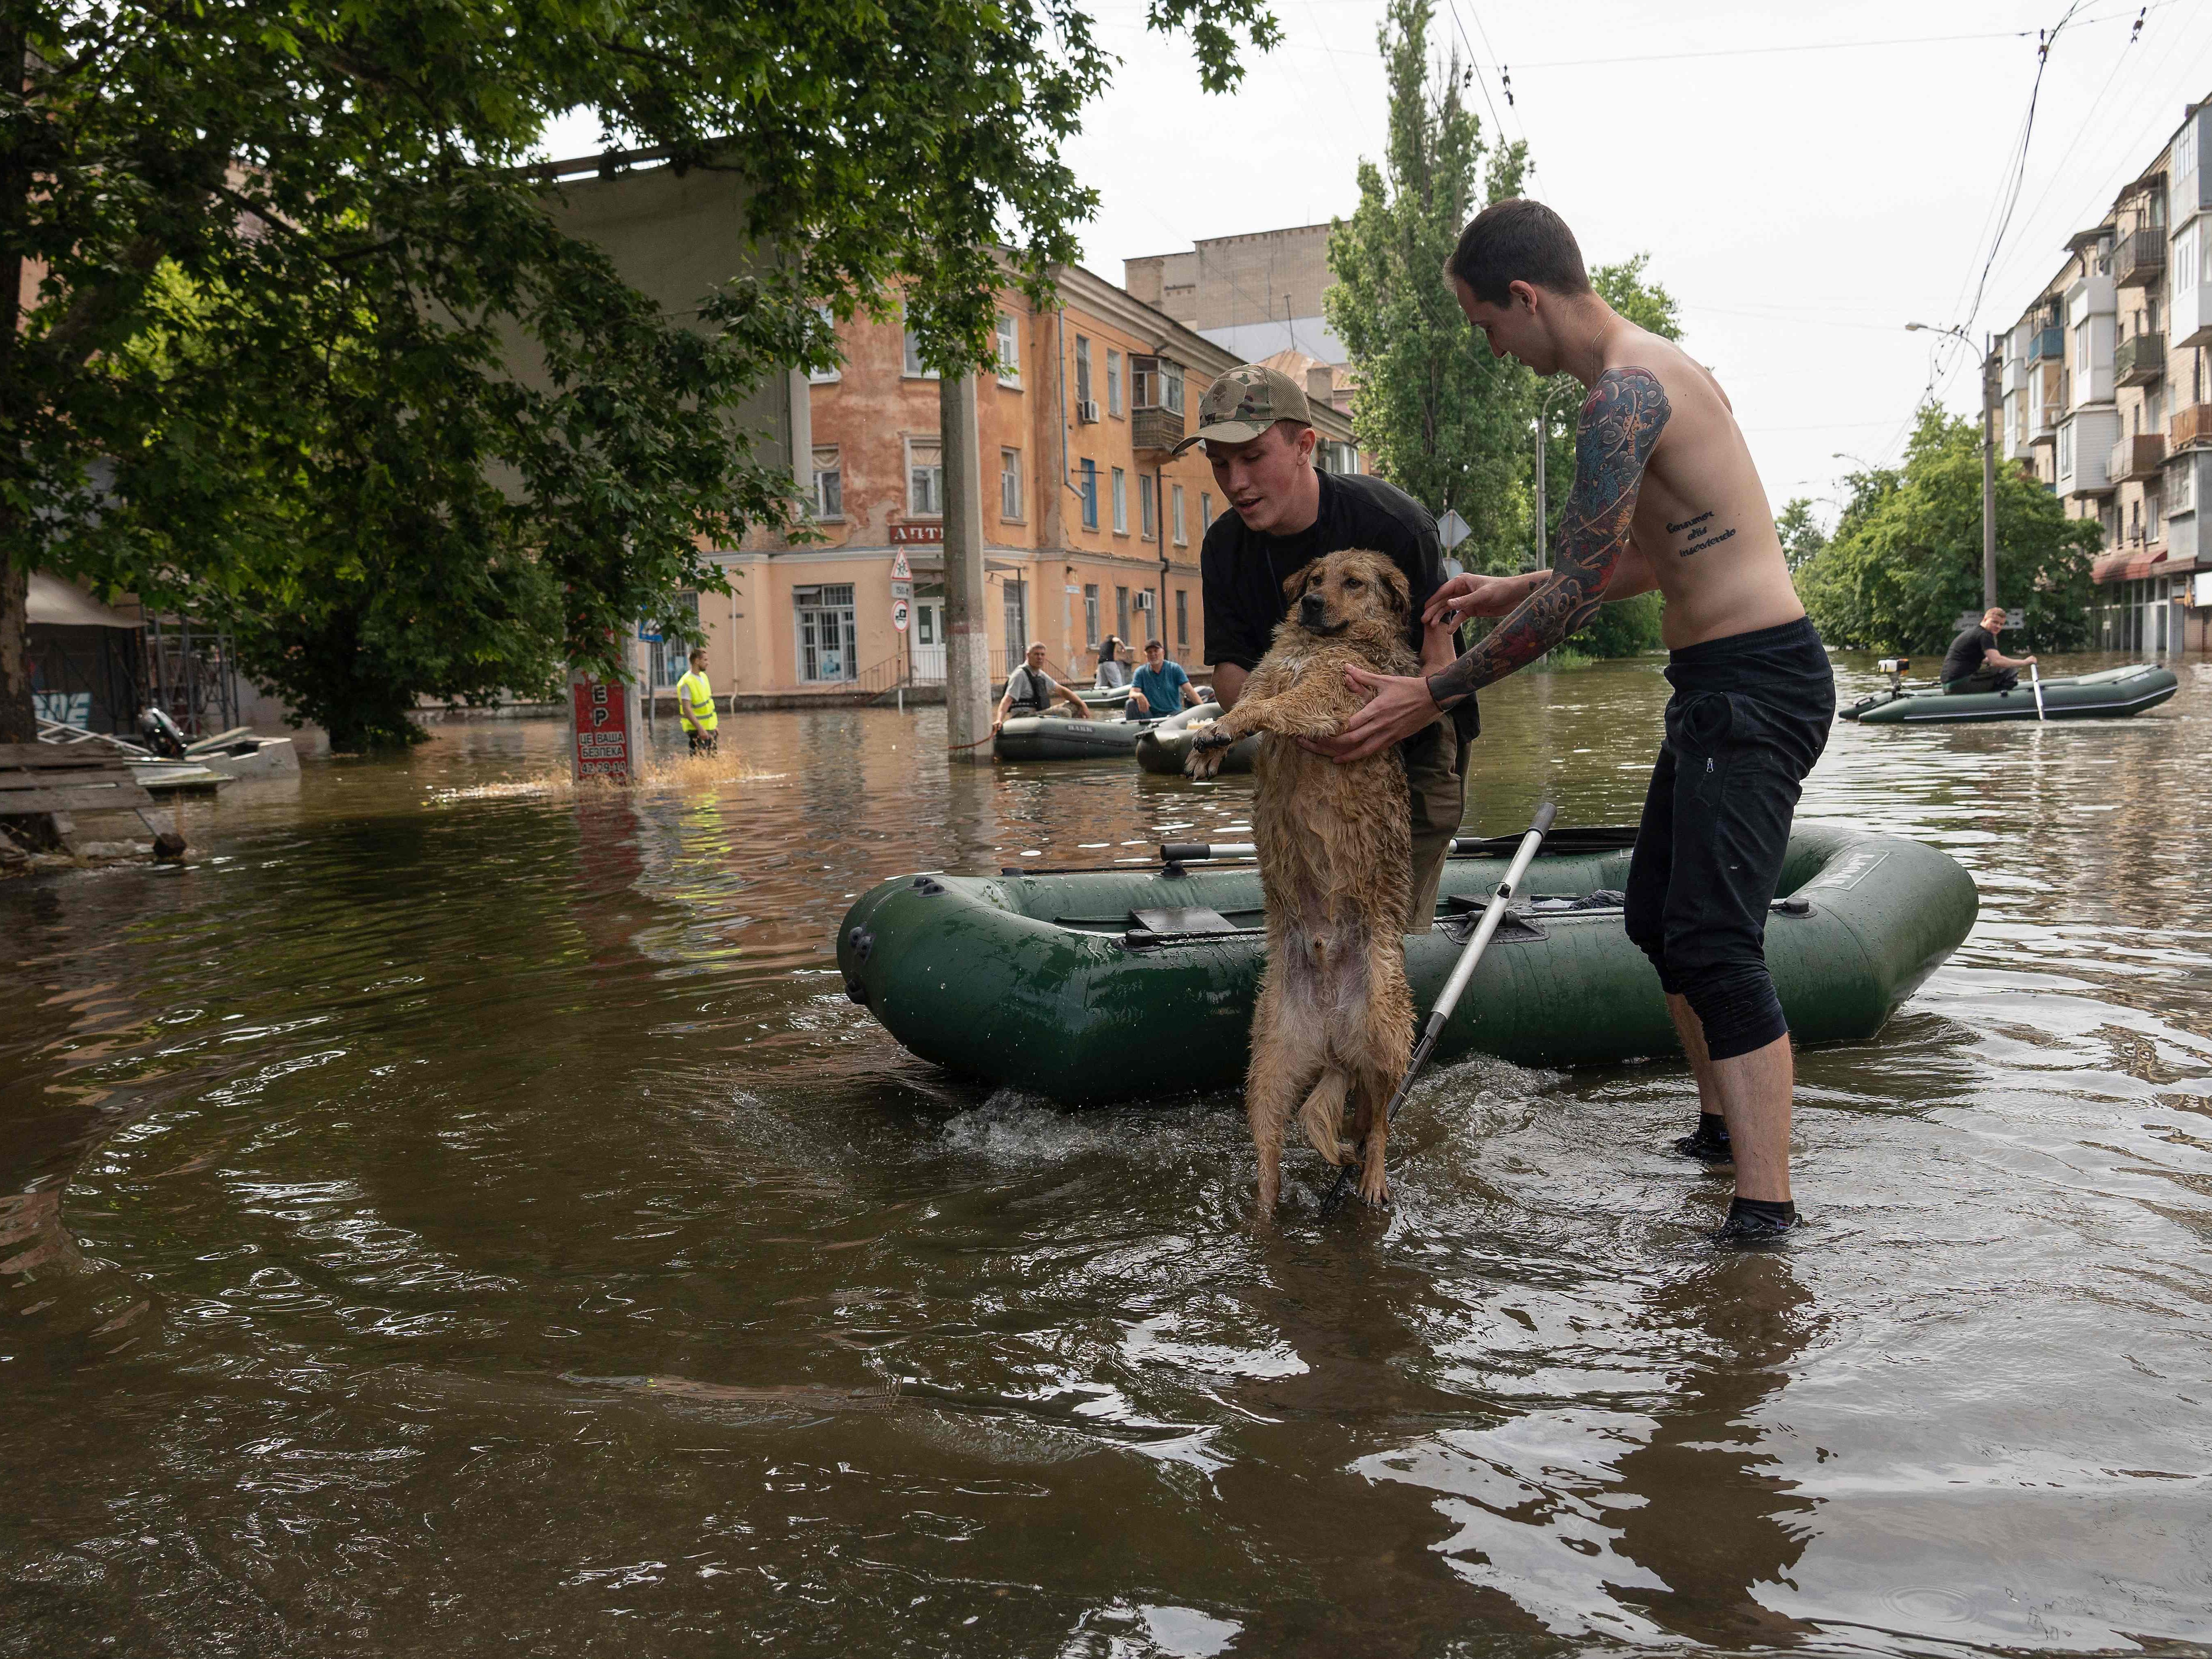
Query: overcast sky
point(1806, 178)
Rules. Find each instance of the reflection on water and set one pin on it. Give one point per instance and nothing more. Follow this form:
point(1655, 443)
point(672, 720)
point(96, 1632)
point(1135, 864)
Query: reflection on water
point(462, 1210)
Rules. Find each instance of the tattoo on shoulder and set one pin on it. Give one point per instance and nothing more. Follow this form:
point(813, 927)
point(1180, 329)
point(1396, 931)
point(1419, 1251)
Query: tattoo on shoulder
point(1621, 423)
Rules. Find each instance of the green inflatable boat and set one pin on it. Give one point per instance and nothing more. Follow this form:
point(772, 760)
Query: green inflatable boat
point(1165, 746)
point(1062, 736)
point(2110, 694)
point(1095, 985)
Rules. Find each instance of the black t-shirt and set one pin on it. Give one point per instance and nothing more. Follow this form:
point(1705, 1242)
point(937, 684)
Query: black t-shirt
point(1243, 572)
point(1968, 653)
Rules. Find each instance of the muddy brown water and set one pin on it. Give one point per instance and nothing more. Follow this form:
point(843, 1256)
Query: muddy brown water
point(453, 1216)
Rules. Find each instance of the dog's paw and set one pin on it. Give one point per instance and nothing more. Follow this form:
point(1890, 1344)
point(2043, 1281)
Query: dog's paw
point(1202, 763)
point(1373, 1189)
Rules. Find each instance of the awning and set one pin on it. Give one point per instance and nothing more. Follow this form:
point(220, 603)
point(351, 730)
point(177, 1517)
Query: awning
point(2130, 566)
point(56, 603)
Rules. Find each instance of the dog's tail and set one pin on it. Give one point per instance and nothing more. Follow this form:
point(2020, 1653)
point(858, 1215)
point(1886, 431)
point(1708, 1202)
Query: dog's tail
point(1323, 1115)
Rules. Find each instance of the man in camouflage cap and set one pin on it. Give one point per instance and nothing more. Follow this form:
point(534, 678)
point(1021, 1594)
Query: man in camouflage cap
point(1257, 427)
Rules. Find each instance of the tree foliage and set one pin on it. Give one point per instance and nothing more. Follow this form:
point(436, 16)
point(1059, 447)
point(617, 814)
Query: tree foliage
point(1444, 420)
point(1800, 534)
point(282, 256)
point(1906, 558)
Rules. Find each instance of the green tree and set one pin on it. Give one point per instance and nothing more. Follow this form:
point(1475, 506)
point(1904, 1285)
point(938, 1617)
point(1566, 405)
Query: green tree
point(1801, 535)
point(1444, 420)
point(281, 255)
point(1906, 558)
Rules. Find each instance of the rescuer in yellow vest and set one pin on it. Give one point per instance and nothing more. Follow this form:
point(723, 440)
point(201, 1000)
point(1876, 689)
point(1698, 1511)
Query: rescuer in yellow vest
point(695, 706)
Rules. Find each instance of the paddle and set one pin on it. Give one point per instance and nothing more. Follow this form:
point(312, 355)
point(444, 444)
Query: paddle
point(1461, 972)
point(2035, 678)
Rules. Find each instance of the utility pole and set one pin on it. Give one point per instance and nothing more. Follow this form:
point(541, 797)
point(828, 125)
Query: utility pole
point(1989, 457)
point(1543, 444)
point(967, 630)
point(1989, 482)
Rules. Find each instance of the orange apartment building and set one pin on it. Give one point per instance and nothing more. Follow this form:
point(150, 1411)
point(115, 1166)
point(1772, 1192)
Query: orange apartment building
point(1091, 528)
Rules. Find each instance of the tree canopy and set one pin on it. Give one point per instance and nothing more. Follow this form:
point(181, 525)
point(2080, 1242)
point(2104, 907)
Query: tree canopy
point(1442, 418)
point(1905, 561)
point(280, 255)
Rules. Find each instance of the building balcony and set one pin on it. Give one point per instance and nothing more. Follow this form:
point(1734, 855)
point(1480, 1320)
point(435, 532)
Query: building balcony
point(2138, 260)
point(2192, 427)
point(2046, 344)
point(1156, 429)
point(2140, 360)
point(2136, 458)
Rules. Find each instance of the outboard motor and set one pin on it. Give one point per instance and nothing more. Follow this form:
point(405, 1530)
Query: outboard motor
point(1895, 668)
point(160, 733)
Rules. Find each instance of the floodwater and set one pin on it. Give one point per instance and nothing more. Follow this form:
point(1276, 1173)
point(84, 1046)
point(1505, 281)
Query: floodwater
point(456, 1216)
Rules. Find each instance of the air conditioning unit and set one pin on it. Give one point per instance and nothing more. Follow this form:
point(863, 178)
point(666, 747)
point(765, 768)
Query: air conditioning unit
point(1087, 411)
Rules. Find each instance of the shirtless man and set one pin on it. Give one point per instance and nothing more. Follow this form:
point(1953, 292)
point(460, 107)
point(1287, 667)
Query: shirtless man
point(1665, 495)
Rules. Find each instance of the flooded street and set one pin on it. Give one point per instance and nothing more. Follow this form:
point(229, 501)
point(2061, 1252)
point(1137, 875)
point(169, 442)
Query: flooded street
point(460, 1215)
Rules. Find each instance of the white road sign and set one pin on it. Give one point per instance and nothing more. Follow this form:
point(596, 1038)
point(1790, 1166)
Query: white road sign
point(1451, 529)
point(900, 569)
point(900, 610)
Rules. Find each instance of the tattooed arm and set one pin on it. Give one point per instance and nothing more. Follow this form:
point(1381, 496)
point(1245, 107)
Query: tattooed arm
point(1621, 422)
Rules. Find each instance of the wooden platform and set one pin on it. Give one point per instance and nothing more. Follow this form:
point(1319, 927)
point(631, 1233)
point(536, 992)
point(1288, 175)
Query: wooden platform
point(56, 781)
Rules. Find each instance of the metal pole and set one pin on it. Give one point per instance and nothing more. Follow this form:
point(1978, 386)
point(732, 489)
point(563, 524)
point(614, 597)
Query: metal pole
point(1543, 434)
point(1989, 486)
point(967, 629)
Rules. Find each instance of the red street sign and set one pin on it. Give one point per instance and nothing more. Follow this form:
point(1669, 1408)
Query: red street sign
point(916, 535)
point(602, 728)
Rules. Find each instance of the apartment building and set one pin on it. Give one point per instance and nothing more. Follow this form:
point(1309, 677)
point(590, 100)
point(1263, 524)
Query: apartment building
point(2107, 396)
point(1091, 527)
point(1255, 294)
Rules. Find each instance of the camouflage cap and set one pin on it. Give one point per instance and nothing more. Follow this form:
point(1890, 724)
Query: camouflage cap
point(1244, 403)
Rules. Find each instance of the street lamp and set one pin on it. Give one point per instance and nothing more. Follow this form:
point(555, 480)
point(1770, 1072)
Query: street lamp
point(1989, 463)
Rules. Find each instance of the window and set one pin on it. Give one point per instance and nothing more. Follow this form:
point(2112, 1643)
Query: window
point(2182, 481)
point(1090, 495)
point(1148, 508)
point(2081, 346)
point(1120, 502)
point(2150, 517)
point(671, 657)
point(1010, 485)
point(1181, 539)
point(1017, 622)
point(925, 478)
point(829, 484)
point(1090, 615)
point(1155, 383)
point(1009, 351)
point(1083, 381)
point(1182, 619)
point(913, 351)
point(1121, 614)
point(824, 376)
point(1113, 381)
point(1205, 511)
point(826, 632)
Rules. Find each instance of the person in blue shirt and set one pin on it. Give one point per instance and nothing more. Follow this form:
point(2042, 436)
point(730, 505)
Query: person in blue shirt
point(1160, 687)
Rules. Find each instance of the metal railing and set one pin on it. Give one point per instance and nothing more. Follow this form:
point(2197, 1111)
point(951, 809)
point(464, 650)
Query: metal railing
point(2046, 343)
point(2191, 426)
point(2140, 359)
point(2137, 456)
point(2136, 260)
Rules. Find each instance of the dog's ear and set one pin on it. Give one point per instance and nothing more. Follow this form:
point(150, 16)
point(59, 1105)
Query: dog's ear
point(1294, 584)
point(1399, 590)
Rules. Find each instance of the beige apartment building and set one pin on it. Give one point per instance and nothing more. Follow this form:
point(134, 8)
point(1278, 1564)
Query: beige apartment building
point(2106, 396)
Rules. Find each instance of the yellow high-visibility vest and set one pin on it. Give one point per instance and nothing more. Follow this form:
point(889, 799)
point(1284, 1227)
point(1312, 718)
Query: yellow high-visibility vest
point(694, 702)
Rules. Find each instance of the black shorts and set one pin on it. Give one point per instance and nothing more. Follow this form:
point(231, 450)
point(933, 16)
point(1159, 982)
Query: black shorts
point(1750, 716)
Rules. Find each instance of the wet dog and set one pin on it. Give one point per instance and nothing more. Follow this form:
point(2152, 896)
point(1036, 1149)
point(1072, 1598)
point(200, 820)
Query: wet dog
point(1334, 1022)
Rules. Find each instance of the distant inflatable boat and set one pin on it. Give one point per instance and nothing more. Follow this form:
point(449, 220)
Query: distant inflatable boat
point(1062, 736)
point(1167, 745)
point(2111, 694)
point(1118, 984)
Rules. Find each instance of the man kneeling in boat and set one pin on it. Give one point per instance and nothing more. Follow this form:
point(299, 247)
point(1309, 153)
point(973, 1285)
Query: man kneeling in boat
point(1665, 495)
point(1030, 690)
point(1974, 664)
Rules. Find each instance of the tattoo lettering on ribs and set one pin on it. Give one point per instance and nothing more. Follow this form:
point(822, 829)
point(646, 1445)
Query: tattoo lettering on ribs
point(1700, 530)
point(1621, 420)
